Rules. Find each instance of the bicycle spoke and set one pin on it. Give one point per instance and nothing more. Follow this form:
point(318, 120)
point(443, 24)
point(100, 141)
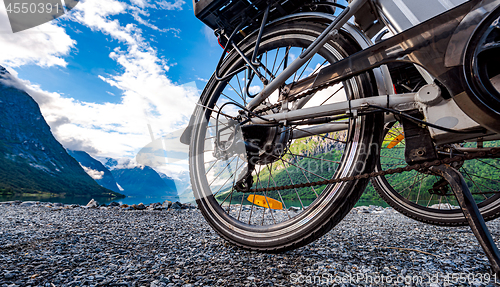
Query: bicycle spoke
point(322, 136)
point(214, 110)
point(317, 69)
point(404, 182)
point(221, 123)
point(391, 165)
point(284, 58)
point(266, 68)
point(211, 167)
point(303, 70)
point(237, 92)
point(414, 181)
point(268, 184)
point(301, 168)
point(300, 76)
point(496, 167)
point(253, 199)
point(274, 63)
point(393, 134)
point(295, 155)
point(419, 189)
point(241, 207)
point(234, 180)
point(241, 90)
point(476, 185)
point(269, 207)
point(341, 88)
point(481, 177)
point(398, 158)
point(281, 198)
point(449, 203)
point(221, 172)
point(313, 189)
point(212, 137)
point(292, 183)
point(220, 188)
point(432, 195)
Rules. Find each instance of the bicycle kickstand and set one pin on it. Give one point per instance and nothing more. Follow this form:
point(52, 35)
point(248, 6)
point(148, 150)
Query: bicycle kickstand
point(471, 212)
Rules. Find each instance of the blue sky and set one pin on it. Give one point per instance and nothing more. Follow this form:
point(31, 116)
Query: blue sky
point(185, 47)
point(105, 71)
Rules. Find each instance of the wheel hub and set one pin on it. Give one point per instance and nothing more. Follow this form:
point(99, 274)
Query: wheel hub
point(265, 144)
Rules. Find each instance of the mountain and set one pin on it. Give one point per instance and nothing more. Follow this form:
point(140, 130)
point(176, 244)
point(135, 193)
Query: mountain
point(169, 181)
point(183, 185)
point(317, 145)
point(95, 169)
point(32, 161)
point(143, 181)
point(110, 163)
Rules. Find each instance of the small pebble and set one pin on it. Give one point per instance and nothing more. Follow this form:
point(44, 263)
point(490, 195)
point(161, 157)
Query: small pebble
point(171, 244)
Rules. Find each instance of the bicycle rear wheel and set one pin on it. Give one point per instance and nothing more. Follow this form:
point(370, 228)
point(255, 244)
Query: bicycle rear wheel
point(286, 219)
point(428, 198)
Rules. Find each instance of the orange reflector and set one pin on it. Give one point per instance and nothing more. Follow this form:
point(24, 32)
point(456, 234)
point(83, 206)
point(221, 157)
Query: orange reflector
point(260, 200)
point(396, 141)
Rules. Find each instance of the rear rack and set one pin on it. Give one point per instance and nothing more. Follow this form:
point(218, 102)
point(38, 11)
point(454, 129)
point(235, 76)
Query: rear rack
point(223, 16)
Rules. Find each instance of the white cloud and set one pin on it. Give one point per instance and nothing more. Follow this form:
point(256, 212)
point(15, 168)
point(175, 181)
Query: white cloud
point(137, 12)
point(140, 3)
point(126, 163)
point(176, 5)
point(163, 5)
point(255, 89)
point(95, 174)
point(95, 15)
point(120, 187)
point(44, 45)
point(109, 129)
point(148, 95)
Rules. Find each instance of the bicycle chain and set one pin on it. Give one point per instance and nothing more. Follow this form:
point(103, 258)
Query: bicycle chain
point(425, 165)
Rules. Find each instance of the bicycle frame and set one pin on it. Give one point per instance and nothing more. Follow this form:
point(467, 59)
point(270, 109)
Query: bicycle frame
point(426, 45)
point(441, 49)
point(308, 53)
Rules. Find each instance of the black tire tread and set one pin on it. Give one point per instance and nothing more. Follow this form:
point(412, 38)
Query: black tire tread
point(381, 191)
point(320, 229)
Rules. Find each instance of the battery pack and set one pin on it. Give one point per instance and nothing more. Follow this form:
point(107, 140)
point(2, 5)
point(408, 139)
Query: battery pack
point(401, 15)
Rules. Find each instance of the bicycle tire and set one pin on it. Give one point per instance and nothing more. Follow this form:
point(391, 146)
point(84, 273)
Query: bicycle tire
point(421, 210)
point(332, 206)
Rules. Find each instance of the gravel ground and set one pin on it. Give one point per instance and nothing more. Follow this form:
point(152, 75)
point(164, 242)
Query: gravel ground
point(57, 246)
